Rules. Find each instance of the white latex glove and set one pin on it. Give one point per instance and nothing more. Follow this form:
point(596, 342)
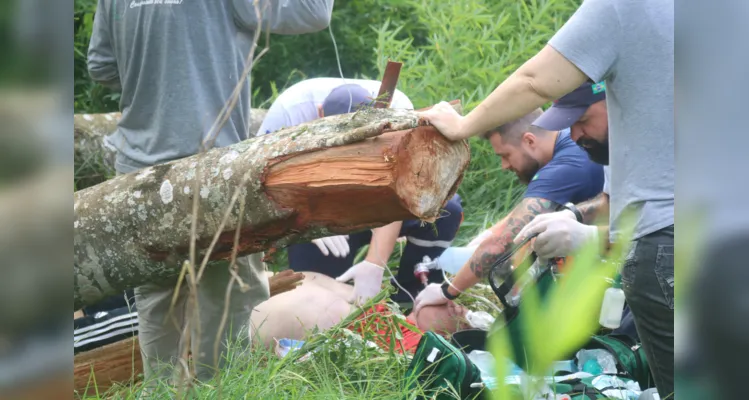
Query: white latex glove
point(430, 296)
point(559, 234)
point(367, 279)
point(338, 245)
point(444, 117)
point(480, 238)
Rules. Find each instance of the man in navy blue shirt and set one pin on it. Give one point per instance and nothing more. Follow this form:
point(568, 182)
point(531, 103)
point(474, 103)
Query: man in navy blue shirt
point(556, 170)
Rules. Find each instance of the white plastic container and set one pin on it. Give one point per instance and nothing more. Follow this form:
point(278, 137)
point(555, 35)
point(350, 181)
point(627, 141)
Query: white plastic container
point(613, 306)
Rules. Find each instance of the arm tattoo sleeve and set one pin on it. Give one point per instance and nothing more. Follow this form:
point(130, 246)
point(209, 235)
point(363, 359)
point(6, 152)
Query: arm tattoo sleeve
point(594, 208)
point(491, 249)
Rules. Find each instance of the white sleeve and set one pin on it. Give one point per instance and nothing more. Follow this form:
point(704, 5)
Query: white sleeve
point(400, 100)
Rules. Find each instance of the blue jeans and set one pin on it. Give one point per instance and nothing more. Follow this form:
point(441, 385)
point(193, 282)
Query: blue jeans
point(427, 240)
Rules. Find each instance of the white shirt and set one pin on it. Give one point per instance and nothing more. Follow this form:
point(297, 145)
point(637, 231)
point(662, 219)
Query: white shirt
point(299, 103)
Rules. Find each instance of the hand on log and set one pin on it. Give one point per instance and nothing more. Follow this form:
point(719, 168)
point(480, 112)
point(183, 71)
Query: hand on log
point(336, 175)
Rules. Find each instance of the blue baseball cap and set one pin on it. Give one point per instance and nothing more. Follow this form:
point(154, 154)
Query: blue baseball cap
point(569, 108)
point(345, 99)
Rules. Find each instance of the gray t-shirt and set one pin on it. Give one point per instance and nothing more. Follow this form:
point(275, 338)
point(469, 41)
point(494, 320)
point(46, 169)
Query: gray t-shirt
point(299, 103)
point(177, 63)
point(630, 45)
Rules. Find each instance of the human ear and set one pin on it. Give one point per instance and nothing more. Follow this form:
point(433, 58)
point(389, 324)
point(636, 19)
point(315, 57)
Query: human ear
point(529, 139)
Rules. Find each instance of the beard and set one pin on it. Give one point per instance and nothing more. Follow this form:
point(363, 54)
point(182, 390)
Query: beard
point(597, 152)
point(529, 171)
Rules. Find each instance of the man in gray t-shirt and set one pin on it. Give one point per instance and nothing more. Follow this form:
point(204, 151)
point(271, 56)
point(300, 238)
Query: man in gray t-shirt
point(177, 64)
point(629, 45)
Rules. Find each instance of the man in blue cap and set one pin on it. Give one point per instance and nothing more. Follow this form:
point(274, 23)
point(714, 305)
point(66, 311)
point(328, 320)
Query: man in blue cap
point(334, 256)
point(584, 112)
point(651, 256)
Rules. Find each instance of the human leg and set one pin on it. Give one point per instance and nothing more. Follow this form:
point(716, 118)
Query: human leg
point(160, 325)
point(426, 240)
point(212, 303)
point(648, 283)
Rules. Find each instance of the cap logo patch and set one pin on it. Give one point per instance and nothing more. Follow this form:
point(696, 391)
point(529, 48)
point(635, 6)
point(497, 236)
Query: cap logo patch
point(599, 87)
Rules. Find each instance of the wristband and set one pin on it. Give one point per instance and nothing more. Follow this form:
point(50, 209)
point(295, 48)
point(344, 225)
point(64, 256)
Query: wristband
point(571, 207)
point(447, 294)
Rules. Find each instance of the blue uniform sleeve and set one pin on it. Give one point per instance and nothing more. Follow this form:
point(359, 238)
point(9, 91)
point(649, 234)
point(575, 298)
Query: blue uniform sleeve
point(564, 183)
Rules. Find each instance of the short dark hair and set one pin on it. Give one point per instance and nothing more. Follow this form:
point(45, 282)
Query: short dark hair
point(513, 130)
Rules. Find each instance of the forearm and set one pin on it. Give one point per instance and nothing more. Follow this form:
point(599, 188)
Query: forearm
point(101, 61)
point(382, 243)
point(464, 280)
point(603, 238)
point(493, 247)
point(595, 209)
point(513, 98)
point(543, 78)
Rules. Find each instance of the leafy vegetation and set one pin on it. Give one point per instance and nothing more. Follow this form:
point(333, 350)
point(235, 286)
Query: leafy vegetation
point(450, 50)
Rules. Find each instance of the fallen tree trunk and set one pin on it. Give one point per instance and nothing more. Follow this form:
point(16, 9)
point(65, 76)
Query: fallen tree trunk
point(94, 159)
point(335, 175)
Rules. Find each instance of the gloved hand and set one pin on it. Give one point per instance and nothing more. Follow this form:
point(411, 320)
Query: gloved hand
point(367, 279)
point(480, 238)
point(338, 245)
point(559, 234)
point(430, 296)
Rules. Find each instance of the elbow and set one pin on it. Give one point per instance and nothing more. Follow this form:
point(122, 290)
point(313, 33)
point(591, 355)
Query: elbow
point(532, 84)
point(316, 24)
point(319, 17)
point(322, 22)
point(322, 16)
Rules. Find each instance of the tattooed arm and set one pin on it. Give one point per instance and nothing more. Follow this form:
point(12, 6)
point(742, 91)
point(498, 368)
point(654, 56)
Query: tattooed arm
point(492, 247)
point(595, 210)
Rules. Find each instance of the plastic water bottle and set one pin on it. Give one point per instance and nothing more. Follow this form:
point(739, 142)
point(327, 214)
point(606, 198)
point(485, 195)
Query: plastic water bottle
point(453, 258)
point(613, 305)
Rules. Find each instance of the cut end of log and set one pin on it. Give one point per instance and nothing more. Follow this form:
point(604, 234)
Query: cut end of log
point(407, 174)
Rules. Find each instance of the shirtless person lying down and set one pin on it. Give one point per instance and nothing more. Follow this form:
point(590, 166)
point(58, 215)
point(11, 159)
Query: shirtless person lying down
point(321, 301)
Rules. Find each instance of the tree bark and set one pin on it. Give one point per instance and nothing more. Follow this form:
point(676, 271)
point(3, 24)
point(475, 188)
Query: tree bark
point(94, 159)
point(335, 175)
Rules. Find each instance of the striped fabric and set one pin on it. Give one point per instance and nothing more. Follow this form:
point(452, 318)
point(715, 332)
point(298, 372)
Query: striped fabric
point(104, 327)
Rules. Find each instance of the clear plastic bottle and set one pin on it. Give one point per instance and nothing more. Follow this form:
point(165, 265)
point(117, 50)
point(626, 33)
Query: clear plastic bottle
point(613, 305)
